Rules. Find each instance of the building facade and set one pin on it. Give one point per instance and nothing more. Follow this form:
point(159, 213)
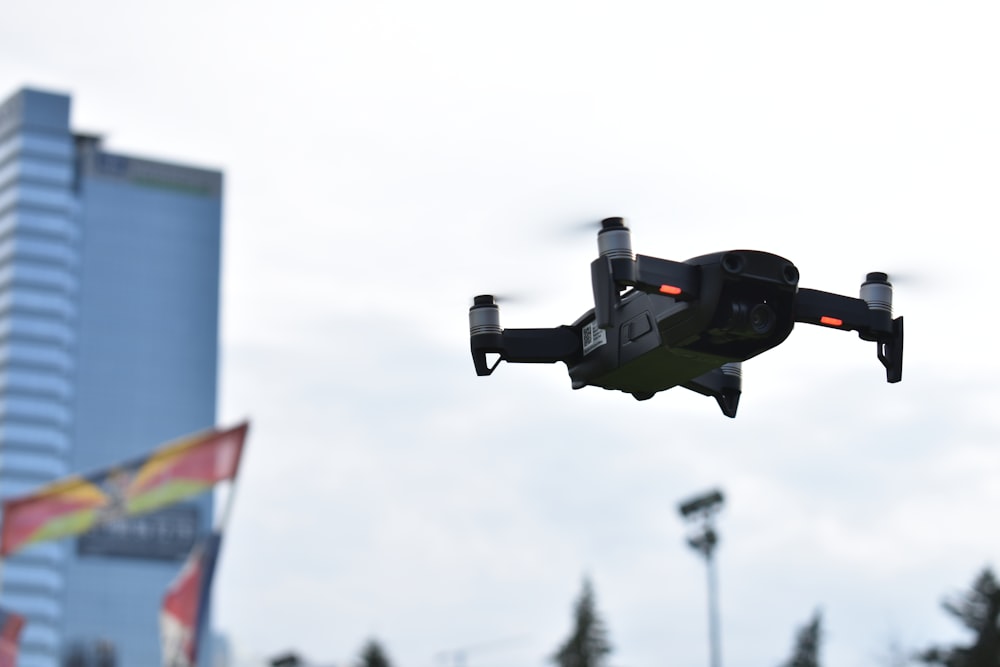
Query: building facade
point(109, 302)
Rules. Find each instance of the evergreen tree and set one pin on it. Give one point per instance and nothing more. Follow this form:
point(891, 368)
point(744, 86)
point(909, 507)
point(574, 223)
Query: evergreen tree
point(979, 611)
point(373, 655)
point(805, 653)
point(588, 645)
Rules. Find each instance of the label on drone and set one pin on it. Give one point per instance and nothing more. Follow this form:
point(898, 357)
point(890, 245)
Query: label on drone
point(593, 337)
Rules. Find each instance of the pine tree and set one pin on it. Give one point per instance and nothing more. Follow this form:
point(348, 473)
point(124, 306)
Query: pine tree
point(805, 653)
point(373, 655)
point(588, 645)
point(979, 611)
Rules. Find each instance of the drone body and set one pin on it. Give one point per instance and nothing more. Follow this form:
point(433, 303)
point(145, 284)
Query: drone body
point(658, 324)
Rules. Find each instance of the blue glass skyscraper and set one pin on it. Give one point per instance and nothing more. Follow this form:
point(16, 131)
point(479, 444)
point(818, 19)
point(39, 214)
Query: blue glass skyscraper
point(109, 301)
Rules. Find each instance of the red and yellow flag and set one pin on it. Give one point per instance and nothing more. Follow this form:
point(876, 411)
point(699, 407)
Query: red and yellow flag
point(76, 504)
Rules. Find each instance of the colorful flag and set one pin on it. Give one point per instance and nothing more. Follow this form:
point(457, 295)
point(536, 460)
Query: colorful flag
point(185, 605)
point(76, 504)
point(10, 634)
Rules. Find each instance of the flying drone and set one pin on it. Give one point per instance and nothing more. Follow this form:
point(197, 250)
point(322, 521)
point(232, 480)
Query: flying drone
point(658, 324)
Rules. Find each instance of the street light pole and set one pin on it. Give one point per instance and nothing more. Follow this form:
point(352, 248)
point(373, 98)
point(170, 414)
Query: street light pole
point(703, 509)
point(713, 611)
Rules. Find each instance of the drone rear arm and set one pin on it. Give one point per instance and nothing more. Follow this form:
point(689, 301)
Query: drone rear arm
point(872, 319)
point(526, 346)
point(540, 346)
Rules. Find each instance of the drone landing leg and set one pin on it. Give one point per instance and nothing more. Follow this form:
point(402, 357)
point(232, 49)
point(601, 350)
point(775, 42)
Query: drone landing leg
point(890, 351)
point(724, 384)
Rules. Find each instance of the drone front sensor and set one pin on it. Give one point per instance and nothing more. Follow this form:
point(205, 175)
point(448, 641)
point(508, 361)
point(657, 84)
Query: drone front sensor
point(658, 324)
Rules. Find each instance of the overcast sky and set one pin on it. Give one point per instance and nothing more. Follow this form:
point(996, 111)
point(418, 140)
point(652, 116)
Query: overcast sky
point(387, 160)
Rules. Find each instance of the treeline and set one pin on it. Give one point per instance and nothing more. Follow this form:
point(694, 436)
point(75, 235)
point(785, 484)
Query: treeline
point(588, 645)
point(372, 654)
point(977, 610)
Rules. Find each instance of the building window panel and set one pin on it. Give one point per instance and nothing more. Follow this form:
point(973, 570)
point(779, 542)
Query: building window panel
point(37, 465)
point(55, 173)
point(36, 301)
point(38, 328)
point(45, 276)
point(61, 253)
point(34, 409)
point(34, 194)
point(26, 272)
point(9, 147)
point(45, 171)
point(32, 572)
point(34, 354)
point(36, 633)
point(46, 145)
point(36, 383)
point(31, 604)
point(47, 224)
point(33, 435)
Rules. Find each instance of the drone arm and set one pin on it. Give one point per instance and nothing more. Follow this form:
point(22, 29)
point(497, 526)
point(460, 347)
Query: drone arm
point(849, 314)
point(540, 346)
point(675, 279)
point(526, 346)
point(611, 275)
point(833, 310)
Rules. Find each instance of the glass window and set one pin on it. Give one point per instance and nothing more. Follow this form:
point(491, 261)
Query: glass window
point(25, 300)
point(35, 409)
point(31, 435)
point(30, 604)
point(36, 382)
point(47, 223)
point(34, 354)
point(39, 465)
point(22, 325)
point(48, 251)
point(48, 171)
point(9, 147)
point(39, 275)
point(36, 194)
point(47, 145)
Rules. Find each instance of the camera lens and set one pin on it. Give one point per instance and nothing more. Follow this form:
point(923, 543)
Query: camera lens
point(761, 318)
point(749, 319)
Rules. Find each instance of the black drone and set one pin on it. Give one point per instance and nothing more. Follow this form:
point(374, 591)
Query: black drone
point(658, 324)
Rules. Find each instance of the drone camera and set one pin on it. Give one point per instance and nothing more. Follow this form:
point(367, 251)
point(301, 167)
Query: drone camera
point(754, 320)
